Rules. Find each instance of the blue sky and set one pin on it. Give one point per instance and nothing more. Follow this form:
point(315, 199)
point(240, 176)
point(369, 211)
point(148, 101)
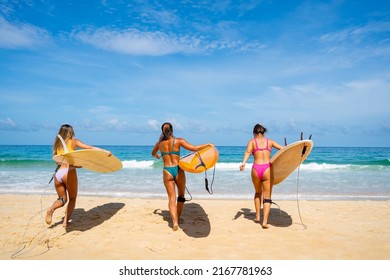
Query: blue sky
point(116, 70)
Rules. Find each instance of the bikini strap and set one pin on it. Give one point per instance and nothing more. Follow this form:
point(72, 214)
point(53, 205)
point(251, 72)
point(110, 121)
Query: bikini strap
point(257, 146)
point(173, 144)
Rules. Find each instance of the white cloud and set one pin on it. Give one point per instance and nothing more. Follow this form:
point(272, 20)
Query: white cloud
point(135, 42)
point(100, 110)
point(115, 124)
point(8, 124)
point(176, 124)
point(154, 124)
point(112, 124)
point(19, 35)
point(357, 34)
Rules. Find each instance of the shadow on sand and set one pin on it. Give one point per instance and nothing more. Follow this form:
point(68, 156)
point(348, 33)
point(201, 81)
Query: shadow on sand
point(85, 220)
point(194, 220)
point(277, 218)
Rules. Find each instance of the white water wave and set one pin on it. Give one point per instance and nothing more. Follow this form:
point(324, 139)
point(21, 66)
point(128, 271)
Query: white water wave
point(137, 164)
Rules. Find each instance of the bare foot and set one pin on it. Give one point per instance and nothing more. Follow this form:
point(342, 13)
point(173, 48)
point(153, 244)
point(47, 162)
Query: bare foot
point(257, 218)
point(66, 223)
point(264, 226)
point(49, 216)
point(175, 227)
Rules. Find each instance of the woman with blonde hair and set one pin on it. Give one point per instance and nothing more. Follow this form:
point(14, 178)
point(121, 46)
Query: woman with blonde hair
point(65, 178)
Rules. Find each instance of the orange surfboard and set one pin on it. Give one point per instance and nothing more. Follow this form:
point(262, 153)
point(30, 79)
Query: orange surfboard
point(199, 161)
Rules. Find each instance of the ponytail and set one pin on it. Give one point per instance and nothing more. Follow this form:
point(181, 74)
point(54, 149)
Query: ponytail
point(167, 131)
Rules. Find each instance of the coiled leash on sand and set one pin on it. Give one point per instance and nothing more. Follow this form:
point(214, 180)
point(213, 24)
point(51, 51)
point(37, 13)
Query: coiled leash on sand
point(22, 250)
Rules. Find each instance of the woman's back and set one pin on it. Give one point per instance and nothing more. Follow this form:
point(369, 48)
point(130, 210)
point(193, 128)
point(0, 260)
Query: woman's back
point(170, 151)
point(261, 150)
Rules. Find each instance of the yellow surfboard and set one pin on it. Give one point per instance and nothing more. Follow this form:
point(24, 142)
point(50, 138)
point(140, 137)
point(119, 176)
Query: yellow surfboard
point(94, 160)
point(199, 161)
point(286, 160)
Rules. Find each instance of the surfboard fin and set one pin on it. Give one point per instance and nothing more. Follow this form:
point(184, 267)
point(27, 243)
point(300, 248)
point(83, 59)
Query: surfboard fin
point(302, 136)
point(285, 141)
point(304, 150)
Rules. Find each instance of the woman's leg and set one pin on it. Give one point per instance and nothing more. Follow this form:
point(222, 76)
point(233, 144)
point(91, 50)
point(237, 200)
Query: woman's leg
point(71, 183)
point(60, 202)
point(257, 184)
point(171, 191)
point(181, 188)
point(267, 193)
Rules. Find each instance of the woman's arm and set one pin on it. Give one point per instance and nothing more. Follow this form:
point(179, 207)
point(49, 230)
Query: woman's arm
point(78, 143)
point(247, 154)
point(276, 145)
point(155, 150)
point(191, 147)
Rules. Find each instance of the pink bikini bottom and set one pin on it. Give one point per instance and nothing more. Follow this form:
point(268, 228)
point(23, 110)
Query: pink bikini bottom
point(261, 168)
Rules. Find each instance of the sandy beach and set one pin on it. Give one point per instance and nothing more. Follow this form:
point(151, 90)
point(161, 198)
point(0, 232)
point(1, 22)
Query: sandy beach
point(108, 228)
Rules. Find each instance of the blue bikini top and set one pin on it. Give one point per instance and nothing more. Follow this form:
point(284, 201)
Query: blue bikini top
point(172, 152)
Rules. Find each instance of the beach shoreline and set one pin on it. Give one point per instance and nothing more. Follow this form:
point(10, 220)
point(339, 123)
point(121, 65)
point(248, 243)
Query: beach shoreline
point(112, 228)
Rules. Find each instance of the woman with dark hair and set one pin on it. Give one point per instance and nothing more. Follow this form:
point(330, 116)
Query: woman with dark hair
point(65, 178)
point(169, 147)
point(262, 173)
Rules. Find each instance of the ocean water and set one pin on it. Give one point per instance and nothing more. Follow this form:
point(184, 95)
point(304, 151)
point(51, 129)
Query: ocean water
point(329, 173)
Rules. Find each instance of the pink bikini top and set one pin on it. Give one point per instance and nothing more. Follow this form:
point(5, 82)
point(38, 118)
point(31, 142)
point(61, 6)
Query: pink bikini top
point(260, 149)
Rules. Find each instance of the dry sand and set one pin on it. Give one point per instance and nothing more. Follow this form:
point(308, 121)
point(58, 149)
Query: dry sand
point(108, 228)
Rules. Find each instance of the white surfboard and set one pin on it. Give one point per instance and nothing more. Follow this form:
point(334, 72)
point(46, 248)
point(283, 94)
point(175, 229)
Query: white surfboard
point(91, 159)
point(286, 160)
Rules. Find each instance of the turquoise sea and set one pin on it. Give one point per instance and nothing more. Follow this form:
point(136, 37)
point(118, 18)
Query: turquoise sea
point(329, 173)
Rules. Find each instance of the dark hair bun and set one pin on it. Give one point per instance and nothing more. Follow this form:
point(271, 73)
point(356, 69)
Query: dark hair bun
point(259, 129)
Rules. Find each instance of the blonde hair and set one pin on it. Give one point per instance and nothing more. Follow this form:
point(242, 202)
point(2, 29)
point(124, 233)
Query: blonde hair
point(66, 132)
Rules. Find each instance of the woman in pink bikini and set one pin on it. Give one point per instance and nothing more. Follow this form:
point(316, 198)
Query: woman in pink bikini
point(65, 178)
point(262, 176)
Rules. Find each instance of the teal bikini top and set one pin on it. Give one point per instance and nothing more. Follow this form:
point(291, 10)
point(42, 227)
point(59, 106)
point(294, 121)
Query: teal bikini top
point(172, 152)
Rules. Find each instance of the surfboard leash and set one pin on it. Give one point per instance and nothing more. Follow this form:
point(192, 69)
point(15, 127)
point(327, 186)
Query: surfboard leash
point(55, 172)
point(299, 211)
point(21, 251)
point(210, 191)
point(188, 194)
point(206, 181)
point(298, 176)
